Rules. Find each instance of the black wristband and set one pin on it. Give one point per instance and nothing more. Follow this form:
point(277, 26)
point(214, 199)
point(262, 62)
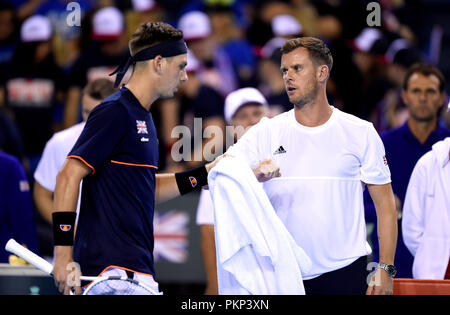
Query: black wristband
point(63, 228)
point(190, 180)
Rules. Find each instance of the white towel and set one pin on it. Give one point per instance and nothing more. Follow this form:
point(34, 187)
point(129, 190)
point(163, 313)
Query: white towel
point(255, 252)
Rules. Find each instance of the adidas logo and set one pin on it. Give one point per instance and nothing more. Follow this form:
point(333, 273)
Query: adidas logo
point(279, 150)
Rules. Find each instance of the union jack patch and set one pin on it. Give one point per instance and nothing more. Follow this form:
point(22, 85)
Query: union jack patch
point(385, 161)
point(65, 227)
point(141, 127)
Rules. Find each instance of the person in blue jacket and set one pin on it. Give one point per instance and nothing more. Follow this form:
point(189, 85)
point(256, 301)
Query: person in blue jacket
point(423, 93)
point(16, 207)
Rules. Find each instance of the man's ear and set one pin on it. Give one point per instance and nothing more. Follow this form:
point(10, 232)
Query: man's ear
point(158, 64)
point(323, 73)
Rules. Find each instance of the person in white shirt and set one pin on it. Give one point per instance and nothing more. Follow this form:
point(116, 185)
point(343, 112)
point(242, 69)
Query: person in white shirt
point(57, 148)
point(426, 214)
point(243, 108)
point(326, 158)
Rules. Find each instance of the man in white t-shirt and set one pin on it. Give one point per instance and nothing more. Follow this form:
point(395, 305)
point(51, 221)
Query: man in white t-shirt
point(243, 108)
point(57, 148)
point(326, 158)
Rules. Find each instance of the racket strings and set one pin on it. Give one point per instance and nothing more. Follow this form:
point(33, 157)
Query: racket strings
point(116, 287)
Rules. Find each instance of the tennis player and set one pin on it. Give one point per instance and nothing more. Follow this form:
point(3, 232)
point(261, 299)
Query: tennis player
point(326, 157)
point(116, 155)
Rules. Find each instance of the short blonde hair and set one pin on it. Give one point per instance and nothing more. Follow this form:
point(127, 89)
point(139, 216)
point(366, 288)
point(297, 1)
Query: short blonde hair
point(319, 52)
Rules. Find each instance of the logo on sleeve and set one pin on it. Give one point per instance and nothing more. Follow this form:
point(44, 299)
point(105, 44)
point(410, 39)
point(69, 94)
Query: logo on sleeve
point(141, 127)
point(385, 161)
point(193, 181)
point(65, 227)
point(24, 186)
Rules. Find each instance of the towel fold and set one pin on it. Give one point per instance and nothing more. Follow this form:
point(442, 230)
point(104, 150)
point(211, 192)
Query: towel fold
point(256, 255)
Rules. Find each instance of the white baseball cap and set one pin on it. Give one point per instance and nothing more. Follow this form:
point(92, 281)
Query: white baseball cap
point(195, 25)
point(366, 39)
point(286, 25)
point(107, 23)
point(144, 5)
point(192, 63)
point(36, 28)
point(241, 97)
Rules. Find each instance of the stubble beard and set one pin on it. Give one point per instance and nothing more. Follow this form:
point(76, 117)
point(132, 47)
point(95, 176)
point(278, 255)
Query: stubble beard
point(307, 98)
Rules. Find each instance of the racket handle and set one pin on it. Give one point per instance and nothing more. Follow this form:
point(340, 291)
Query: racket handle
point(26, 254)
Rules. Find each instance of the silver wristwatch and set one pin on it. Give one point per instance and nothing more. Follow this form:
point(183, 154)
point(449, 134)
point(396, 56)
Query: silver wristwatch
point(390, 269)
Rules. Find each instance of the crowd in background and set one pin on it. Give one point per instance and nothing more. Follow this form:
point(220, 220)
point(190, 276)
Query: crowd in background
point(45, 62)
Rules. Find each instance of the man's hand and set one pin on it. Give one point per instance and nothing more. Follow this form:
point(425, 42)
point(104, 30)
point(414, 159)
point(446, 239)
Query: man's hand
point(65, 272)
point(381, 284)
point(265, 170)
point(210, 165)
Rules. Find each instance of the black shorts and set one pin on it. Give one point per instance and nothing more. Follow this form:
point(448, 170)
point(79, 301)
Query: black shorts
point(350, 280)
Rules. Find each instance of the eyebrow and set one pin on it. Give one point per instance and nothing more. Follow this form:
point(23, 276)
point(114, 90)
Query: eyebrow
point(292, 66)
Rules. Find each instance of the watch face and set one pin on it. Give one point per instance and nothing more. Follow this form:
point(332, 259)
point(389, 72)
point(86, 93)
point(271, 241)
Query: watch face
point(391, 270)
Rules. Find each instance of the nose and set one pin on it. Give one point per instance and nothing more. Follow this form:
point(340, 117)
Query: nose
point(423, 97)
point(184, 77)
point(287, 77)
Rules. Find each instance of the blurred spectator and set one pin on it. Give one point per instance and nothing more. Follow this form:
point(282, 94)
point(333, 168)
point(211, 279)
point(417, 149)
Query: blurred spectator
point(196, 100)
point(8, 32)
point(66, 37)
point(33, 84)
point(337, 22)
point(243, 108)
point(259, 32)
point(272, 83)
point(445, 114)
point(25, 8)
point(231, 37)
point(10, 139)
point(391, 112)
point(16, 207)
point(143, 11)
point(53, 158)
point(107, 49)
point(284, 27)
point(423, 94)
point(370, 47)
point(215, 67)
point(426, 214)
point(306, 13)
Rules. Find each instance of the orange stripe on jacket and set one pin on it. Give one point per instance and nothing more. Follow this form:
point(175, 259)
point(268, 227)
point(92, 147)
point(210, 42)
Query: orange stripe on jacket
point(81, 159)
point(131, 164)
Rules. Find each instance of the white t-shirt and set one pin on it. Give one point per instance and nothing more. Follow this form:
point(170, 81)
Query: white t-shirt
point(319, 195)
point(205, 209)
point(54, 156)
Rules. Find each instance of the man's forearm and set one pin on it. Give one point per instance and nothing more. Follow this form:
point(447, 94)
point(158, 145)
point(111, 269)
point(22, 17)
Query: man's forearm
point(387, 235)
point(166, 187)
point(44, 201)
point(384, 202)
point(66, 194)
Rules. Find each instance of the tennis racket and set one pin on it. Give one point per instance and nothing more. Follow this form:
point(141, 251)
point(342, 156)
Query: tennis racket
point(103, 285)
